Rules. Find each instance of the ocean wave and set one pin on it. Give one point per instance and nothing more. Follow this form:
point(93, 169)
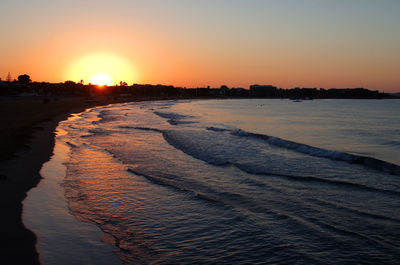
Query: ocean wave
point(205, 193)
point(193, 146)
point(141, 128)
point(361, 213)
point(182, 186)
point(190, 146)
point(73, 145)
point(370, 162)
point(106, 116)
point(336, 206)
point(338, 183)
point(216, 129)
point(392, 143)
point(366, 161)
point(246, 205)
point(97, 131)
point(174, 118)
point(222, 150)
point(178, 122)
point(171, 115)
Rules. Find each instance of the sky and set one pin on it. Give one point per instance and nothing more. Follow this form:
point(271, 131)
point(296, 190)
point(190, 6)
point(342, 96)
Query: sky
point(188, 43)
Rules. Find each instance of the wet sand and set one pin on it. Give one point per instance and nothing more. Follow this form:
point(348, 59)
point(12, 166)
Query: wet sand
point(27, 129)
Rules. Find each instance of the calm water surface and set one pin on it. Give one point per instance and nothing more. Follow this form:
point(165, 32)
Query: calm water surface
point(240, 181)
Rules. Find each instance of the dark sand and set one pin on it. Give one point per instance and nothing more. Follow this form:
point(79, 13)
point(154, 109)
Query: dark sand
point(27, 139)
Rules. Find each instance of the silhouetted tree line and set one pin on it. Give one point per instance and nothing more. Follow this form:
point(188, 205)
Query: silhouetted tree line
point(24, 85)
point(138, 90)
point(303, 93)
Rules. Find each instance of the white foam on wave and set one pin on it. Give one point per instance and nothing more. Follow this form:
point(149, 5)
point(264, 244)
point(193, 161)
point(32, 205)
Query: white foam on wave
point(325, 153)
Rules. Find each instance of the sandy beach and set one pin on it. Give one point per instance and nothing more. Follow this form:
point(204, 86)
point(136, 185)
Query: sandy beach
point(27, 139)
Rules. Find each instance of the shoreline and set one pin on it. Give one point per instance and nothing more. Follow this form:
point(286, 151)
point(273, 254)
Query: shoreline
point(61, 237)
point(28, 138)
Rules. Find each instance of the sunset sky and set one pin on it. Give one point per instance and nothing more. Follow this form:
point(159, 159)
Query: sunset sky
point(287, 43)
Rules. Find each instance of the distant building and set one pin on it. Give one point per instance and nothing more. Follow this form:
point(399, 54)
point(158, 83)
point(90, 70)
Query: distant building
point(263, 91)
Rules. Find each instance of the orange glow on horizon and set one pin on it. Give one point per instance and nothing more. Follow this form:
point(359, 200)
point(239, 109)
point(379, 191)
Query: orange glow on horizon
point(102, 69)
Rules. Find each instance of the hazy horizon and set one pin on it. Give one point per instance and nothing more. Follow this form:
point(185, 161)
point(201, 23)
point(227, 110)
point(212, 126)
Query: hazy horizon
point(329, 44)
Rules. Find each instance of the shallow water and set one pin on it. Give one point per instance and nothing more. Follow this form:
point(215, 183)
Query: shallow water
point(62, 239)
point(240, 181)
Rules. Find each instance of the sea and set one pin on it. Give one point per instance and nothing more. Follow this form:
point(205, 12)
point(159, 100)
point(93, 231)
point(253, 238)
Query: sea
point(232, 181)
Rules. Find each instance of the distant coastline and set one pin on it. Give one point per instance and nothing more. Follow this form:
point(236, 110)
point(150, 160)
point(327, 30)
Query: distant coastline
point(124, 91)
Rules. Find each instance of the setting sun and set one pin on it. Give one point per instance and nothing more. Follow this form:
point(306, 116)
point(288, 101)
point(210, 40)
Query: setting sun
point(101, 79)
point(102, 69)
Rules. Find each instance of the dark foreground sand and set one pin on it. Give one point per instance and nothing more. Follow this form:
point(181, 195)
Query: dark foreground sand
point(26, 142)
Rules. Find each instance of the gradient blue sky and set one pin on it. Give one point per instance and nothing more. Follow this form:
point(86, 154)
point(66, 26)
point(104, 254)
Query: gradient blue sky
point(309, 43)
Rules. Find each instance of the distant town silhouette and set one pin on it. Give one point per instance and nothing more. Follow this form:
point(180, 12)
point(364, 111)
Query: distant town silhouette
point(23, 86)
